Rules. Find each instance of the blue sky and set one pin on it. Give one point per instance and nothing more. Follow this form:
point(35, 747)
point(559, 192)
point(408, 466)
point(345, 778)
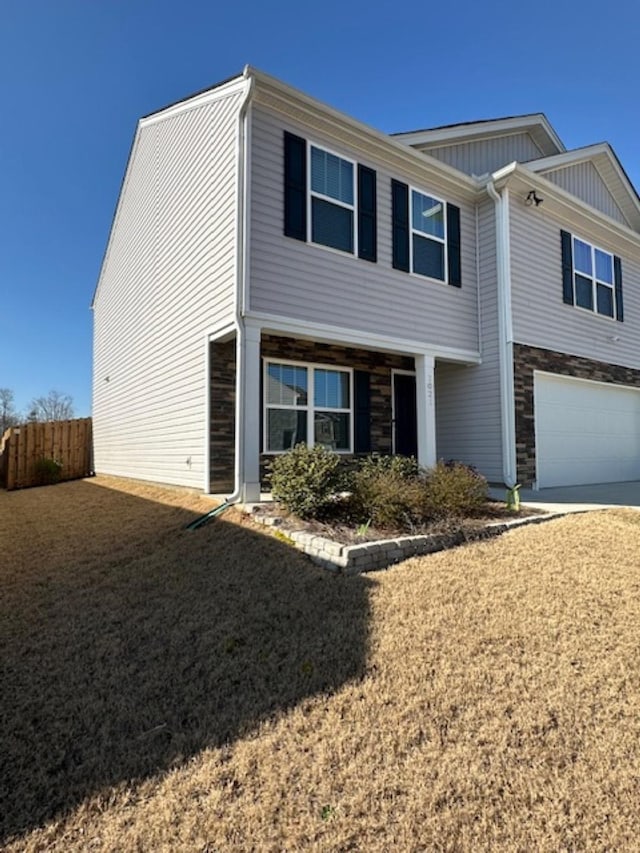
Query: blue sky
point(75, 75)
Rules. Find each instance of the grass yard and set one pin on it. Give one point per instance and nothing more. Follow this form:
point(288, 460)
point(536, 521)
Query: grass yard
point(169, 690)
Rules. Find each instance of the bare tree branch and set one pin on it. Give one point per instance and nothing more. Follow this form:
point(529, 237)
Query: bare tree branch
point(8, 415)
point(56, 406)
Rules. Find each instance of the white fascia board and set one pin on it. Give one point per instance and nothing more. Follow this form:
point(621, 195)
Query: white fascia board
point(296, 104)
point(308, 330)
point(534, 180)
point(116, 212)
point(223, 333)
point(481, 130)
point(567, 158)
point(225, 90)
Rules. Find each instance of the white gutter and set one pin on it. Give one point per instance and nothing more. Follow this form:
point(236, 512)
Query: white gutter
point(240, 289)
point(505, 334)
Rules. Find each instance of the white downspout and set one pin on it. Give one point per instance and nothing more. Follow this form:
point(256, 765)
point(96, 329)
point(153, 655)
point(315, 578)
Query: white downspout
point(240, 290)
point(505, 334)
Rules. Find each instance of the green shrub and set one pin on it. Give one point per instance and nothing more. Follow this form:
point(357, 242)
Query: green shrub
point(377, 463)
point(393, 492)
point(305, 480)
point(451, 489)
point(387, 491)
point(47, 471)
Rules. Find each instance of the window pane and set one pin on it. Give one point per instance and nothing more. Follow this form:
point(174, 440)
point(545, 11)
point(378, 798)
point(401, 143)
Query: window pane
point(428, 257)
point(286, 385)
point(604, 296)
point(285, 428)
point(331, 430)
point(331, 175)
point(604, 267)
point(428, 215)
point(582, 257)
point(331, 225)
point(584, 292)
point(331, 389)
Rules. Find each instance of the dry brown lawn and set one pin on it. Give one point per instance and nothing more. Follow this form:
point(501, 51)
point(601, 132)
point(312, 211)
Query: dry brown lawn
point(170, 690)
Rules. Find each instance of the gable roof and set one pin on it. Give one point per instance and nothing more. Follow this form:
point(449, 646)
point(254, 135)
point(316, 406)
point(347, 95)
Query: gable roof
point(535, 124)
point(604, 158)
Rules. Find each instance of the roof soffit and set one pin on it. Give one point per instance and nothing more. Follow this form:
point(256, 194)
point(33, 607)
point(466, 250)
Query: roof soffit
point(608, 167)
point(565, 206)
point(536, 125)
point(355, 135)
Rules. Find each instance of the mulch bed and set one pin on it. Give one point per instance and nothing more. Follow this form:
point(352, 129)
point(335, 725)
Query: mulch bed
point(351, 534)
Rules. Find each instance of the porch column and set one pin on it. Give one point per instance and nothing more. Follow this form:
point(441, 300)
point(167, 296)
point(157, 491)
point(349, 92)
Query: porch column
point(426, 410)
point(250, 424)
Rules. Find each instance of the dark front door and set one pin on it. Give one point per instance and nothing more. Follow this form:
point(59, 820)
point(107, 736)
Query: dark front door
point(404, 409)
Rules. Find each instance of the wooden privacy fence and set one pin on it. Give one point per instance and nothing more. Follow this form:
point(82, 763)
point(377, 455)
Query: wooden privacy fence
point(37, 453)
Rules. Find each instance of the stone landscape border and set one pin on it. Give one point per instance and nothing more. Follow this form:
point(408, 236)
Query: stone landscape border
point(381, 554)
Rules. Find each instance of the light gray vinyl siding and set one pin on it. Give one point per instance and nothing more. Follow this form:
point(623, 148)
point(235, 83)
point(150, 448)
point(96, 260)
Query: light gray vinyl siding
point(309, 282)
point(542, 319)
point(167, 280)
point(487, 155)
point(468, 397)
point(583, 180)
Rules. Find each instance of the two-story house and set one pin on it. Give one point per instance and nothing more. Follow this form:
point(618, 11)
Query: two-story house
point(279, 272)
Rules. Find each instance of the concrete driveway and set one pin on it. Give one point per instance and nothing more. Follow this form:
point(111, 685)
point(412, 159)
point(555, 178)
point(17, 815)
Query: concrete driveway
point(579, 498)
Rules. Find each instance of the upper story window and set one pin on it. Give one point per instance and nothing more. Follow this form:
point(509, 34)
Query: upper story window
point(332, 200)
point(328, 199)
point(428, 230)
point(592, 277)
point(426, 234)
point(307, 403)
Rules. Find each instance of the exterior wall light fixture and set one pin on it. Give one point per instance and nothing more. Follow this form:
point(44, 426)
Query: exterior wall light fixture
point(533, 198)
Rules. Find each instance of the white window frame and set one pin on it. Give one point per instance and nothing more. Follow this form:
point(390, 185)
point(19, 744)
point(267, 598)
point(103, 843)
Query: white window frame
point(310, 408)
point(311, 194)
point(595, 281)
point(422, 234)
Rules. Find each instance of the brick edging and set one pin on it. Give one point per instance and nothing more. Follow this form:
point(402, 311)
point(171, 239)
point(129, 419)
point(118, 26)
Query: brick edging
point(371, 556)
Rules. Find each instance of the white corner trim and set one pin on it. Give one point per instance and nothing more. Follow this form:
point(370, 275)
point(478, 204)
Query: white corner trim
point(309, 330)
point(207, 415)
point(505, 334)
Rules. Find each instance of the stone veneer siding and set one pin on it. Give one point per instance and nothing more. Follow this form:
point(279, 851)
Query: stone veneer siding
point(378, 364)
point(526, 359)
point(223, 415)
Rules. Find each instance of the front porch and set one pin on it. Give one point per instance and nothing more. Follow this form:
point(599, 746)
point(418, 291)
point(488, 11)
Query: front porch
point(282, 389)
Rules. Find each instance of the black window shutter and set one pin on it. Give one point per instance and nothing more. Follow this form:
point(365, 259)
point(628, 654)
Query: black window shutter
point(400, 227)
point(567, 267)
point(367, 227)
point(295, 186)
point(617, 277)
point(362, 423)
point(453, 245)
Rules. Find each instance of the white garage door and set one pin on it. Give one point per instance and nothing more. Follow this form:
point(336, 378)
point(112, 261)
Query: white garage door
point(586, 432)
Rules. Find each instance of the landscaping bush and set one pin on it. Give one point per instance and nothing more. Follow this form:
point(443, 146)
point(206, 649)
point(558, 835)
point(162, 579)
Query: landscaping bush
point(392, 492)
point(377, 463)
point(47, 471)
point(452, 489)
point(305, 480)
point(387, 491)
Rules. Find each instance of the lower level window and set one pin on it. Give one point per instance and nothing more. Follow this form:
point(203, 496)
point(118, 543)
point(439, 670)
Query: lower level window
point(307, 403)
